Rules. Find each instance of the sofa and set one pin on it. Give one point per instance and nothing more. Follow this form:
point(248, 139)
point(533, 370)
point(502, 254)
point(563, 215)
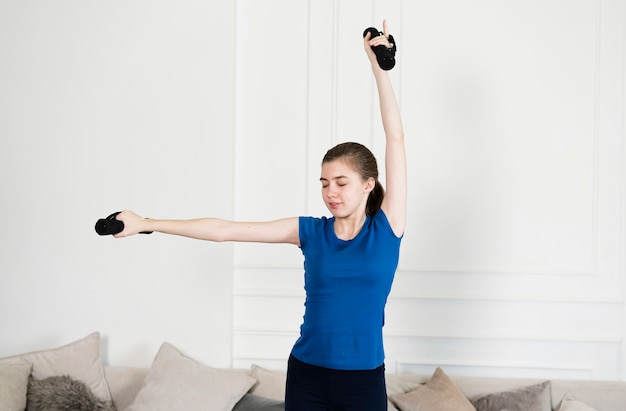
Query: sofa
point(176, 381)
point(125, 383)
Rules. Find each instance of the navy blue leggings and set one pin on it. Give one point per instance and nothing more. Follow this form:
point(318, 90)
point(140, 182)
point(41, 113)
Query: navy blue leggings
point(312, 388)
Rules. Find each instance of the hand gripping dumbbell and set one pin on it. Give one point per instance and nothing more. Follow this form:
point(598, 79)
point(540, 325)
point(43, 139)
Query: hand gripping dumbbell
point(386, 57)
point(111, 225)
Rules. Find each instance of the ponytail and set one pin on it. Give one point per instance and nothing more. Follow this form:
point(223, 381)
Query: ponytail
point(375, 199)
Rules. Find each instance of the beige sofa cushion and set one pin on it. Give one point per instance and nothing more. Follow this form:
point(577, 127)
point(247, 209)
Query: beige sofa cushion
point(13, 385)
point(269, 383)
point(125, 383)
point(177, 382)
point(570, 403)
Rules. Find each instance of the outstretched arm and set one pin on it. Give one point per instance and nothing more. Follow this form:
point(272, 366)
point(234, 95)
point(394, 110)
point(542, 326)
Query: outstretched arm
point(215, 229)
point(394, 203)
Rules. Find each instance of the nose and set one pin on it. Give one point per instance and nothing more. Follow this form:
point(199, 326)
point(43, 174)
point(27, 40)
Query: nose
point(330, 192)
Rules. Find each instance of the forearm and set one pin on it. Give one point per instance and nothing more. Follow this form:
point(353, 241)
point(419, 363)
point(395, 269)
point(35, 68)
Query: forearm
point(209, 229)
point(389, 110)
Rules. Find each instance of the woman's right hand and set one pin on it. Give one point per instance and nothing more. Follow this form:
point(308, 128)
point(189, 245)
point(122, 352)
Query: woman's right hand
point(133, 224)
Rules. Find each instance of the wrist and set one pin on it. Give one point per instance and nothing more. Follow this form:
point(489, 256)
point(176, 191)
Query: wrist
point(147, 225)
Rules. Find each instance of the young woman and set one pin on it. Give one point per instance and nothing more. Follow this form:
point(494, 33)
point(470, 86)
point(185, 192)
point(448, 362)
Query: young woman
point(349, 261)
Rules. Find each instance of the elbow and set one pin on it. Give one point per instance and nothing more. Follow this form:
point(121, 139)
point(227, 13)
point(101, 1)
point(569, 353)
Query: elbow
point(396, 135)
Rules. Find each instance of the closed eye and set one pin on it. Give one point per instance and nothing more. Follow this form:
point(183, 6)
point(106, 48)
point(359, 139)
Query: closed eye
point(340, 181)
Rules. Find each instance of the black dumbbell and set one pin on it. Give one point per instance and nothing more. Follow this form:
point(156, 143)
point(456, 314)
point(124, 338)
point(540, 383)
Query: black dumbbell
point(386, 57)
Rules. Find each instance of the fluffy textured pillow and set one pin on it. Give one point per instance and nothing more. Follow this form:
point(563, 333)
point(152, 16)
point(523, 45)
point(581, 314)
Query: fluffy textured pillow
point(178, 383)
point(79, 359)
point(270, 383)
point(535, 397)
point(62, 393)
point(13, 385)
point(252, 402)
point(438, 394)
point(570, 403)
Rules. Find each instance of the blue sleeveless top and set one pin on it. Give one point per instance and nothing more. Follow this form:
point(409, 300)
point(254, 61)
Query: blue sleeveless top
point(346, 284)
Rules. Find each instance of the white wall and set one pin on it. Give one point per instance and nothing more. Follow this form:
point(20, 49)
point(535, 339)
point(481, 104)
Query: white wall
point(105, 106)
point(513, 262)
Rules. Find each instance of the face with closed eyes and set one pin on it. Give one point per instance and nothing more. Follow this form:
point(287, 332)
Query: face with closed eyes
point(344, 191)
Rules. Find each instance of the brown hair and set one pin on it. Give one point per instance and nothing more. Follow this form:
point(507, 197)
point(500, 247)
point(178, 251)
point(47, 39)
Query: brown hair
point(365, 164)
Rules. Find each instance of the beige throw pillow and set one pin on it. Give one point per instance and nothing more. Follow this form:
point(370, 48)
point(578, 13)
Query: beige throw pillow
point(438, 394)
point(178, 383)
point(270, 383)
point(13, 385)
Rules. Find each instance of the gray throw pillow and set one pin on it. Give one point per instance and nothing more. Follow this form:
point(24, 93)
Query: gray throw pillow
point(535, 397)
point(252, 402)
point(62, 393)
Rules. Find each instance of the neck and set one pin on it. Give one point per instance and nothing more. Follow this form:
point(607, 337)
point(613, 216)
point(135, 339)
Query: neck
point(347, 228)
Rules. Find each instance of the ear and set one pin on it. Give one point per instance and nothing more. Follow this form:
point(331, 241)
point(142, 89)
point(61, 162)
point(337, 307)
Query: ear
point(370, 184)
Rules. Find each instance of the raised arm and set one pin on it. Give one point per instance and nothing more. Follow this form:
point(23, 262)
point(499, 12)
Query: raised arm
point(215, 229)
point(394, 203)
